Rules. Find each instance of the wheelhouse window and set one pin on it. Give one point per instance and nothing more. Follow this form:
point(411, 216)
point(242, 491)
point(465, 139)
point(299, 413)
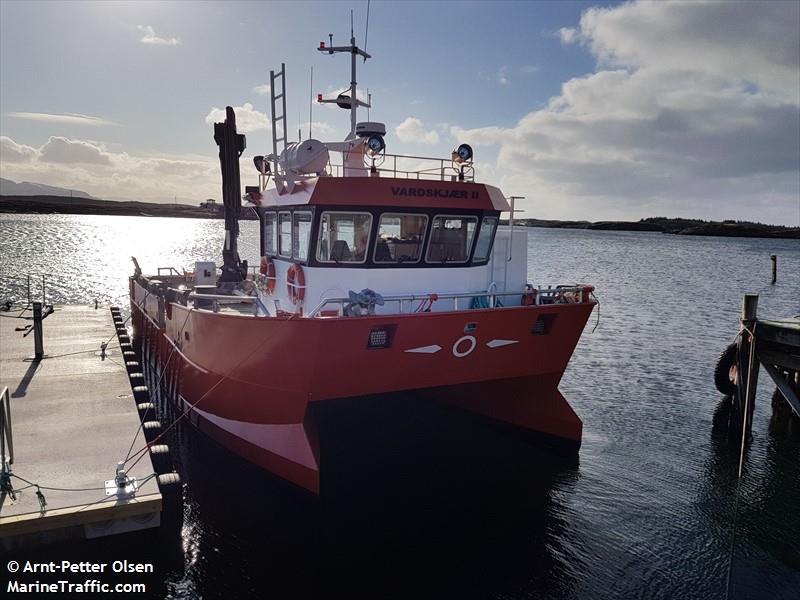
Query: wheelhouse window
point(285, 237)
point(451, 239)
point(301, 234)
point(400, 238)
point(344, 237)
point(270, 233)
point(485, 237)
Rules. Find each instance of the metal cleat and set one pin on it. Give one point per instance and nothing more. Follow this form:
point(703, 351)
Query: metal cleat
point(123, 486)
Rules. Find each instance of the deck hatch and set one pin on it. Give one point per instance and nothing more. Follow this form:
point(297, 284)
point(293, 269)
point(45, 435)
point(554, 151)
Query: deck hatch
point(543, 324)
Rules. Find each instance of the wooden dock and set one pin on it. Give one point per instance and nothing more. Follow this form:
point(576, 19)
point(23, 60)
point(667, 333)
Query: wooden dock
point(73, 417)
point(775, 345)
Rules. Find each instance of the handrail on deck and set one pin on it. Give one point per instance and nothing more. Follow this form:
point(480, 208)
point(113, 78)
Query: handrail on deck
point(170, 271)
point(217, 299)
point(576, 294)
point(540, 295)
point(233, 299)
point(442, 168)
point(6, 437)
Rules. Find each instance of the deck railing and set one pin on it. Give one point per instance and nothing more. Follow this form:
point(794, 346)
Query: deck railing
point(464, 300)
point(405, 303)
point(31, 287)
point(426, 167)
point(170, 271)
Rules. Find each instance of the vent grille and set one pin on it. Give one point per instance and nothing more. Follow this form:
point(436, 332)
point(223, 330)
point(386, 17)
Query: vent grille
point(381, 337)
point(544, 324)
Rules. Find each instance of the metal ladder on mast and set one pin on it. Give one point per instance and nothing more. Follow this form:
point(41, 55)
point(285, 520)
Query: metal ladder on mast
point(273, 78)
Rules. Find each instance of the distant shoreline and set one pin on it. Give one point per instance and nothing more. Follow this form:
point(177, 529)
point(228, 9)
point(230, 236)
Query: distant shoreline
point(676, 226)
point(91, 206)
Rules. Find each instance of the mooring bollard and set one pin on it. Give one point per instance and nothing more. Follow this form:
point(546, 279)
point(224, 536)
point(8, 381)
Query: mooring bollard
point(774, 259)
point(38, 342)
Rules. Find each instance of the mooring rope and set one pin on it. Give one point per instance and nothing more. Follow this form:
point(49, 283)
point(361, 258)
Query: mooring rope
point(139, 454)
point(751, 364)
point(597, 323)
point(54, 489)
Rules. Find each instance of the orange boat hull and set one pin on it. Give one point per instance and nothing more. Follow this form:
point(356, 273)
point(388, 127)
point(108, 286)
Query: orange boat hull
point(248, 381)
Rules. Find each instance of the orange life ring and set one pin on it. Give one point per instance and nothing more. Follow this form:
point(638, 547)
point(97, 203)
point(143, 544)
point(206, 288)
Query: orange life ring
point(267, 269)
point(529, 297)
point(296, 283)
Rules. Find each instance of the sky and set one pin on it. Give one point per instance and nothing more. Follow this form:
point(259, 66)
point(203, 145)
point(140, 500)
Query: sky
point(592, 111)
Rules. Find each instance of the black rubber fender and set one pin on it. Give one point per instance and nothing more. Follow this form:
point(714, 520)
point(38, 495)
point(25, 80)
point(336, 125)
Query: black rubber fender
point(722, 372)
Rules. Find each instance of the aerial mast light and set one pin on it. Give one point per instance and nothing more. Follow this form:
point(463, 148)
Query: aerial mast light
point(348, 101)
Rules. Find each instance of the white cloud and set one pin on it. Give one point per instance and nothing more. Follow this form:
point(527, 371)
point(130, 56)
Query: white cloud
point(12, 152)
point(319, 130)
point(506, 74)
point(693, 109)
point(247, 118)
point(67, 151)
point(502, 75)
point(150, 37)
point(89, 166)
point(413, 130)
point(567, 35)
point(262, 90)
point(739, 41)
point(67, 119)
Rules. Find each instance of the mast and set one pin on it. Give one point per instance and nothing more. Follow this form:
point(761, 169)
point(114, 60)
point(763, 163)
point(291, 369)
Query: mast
point(231, 145)
point(353, 102)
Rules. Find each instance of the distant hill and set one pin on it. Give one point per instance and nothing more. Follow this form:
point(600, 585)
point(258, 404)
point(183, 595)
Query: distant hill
point(27, 188)
point(93, 206)
point(677, 226)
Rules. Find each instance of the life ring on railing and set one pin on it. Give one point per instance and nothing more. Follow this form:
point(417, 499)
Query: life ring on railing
point(296, 283)
point(267, 270)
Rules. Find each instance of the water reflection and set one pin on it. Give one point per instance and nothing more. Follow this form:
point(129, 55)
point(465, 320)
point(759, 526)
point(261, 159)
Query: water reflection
point(482, 515)
point(418, 502)
point(763, 522)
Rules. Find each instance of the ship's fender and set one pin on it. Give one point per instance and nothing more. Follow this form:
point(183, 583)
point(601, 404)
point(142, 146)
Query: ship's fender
point(296, 283)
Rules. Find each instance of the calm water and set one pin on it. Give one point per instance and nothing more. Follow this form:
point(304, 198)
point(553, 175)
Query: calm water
point(426, 502)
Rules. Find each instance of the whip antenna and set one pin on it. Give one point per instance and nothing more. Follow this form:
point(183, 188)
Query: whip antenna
point(311, 102)
point(366, 33)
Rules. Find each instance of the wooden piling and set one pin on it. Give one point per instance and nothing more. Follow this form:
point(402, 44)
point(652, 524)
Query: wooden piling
point(747, 369)
point(775, 344)
point(774, 259)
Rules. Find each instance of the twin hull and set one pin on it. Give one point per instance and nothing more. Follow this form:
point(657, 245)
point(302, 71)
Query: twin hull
point(248, 381)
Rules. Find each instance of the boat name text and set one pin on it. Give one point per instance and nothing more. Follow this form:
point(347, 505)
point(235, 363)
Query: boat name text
point(433, 193)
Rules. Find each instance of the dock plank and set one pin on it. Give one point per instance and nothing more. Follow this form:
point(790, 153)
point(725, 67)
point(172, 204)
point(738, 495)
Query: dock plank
point(73, 418)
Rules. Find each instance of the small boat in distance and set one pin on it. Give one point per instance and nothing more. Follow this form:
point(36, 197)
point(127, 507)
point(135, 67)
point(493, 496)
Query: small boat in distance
point(378, 273)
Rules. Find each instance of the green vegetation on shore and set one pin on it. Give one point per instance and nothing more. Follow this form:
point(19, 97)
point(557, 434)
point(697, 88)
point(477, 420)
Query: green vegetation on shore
point(676, 226)
point(91, 206)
